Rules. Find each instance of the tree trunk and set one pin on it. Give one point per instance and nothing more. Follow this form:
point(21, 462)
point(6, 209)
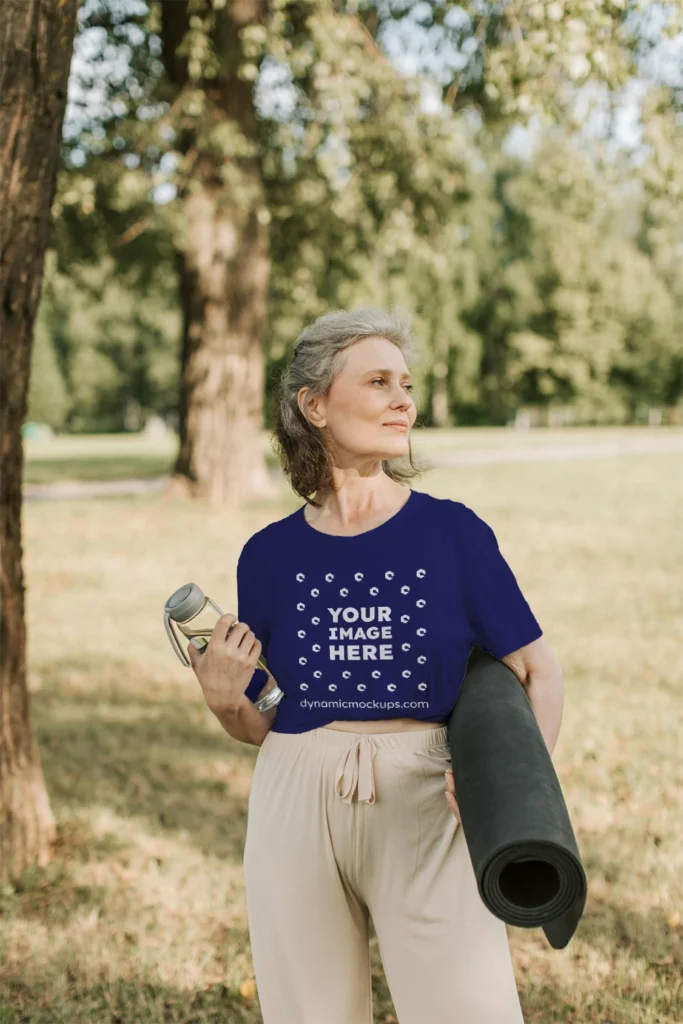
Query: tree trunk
point(224, 280)
point(36, 42)
point(224, 269)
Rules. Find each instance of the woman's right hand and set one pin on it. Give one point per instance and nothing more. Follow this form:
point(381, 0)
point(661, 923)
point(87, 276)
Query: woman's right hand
point(225, 668)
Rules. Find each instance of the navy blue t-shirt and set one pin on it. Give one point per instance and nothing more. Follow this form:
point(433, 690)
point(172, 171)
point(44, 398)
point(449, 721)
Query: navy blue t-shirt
point(379, 625)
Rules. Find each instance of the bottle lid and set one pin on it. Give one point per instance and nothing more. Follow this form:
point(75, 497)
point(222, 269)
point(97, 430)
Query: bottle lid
point(185, 602)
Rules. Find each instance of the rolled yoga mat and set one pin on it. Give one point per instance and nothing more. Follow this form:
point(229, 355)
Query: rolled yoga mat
point(512, 810)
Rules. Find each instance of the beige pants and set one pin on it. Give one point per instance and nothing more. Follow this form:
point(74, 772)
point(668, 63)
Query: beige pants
point(342, 826)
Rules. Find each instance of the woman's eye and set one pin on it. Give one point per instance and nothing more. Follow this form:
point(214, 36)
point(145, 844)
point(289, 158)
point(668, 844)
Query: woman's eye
point(408, 387)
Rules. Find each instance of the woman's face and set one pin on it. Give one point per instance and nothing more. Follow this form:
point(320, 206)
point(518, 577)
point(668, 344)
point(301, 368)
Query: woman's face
point(372, 389)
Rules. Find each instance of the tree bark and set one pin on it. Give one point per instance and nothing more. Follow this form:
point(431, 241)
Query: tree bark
point(36, 43)
point(223, 279)
point(224, 270)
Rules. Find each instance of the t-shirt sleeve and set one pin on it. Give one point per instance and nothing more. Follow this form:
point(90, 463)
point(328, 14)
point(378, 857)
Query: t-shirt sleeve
point(252, 606)
point(499, 615)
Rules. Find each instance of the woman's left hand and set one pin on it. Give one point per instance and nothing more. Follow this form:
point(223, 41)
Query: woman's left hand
point(450, 793)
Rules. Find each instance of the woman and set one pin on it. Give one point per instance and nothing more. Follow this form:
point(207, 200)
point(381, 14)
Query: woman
point(366, 603)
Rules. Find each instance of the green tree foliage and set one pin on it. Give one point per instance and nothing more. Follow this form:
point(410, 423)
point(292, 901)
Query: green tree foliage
point(104, 345)
point(48, 399)
point(553, 279)
point(588, 320)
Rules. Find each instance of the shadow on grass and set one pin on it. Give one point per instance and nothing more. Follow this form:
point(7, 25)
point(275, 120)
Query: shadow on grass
point(645, 937)
point(152, 756)
point(96, 468)
point(638, 981)
point(123, 1001)
point(158, 762)
point(627, 944)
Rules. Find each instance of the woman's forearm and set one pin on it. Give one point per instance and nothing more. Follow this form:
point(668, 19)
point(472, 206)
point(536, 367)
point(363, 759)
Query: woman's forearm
point(245, 723)
point(546, 695)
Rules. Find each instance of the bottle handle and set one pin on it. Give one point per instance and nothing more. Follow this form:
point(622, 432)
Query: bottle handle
point(174, 641)
point(171, 629)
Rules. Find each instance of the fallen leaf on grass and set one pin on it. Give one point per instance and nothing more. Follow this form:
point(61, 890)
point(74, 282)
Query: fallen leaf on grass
point(248, 989)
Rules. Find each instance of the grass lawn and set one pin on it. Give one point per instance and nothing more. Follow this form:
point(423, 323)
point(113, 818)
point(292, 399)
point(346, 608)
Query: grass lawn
point(141, 919)
point(134, 456)
point(97, 457)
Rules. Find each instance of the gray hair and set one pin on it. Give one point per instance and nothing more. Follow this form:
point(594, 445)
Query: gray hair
point(315, 363)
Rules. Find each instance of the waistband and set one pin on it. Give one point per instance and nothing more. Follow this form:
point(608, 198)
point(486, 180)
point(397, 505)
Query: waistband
point(354, 772)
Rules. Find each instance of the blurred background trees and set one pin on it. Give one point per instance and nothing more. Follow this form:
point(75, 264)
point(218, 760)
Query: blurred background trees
point(511, 173)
